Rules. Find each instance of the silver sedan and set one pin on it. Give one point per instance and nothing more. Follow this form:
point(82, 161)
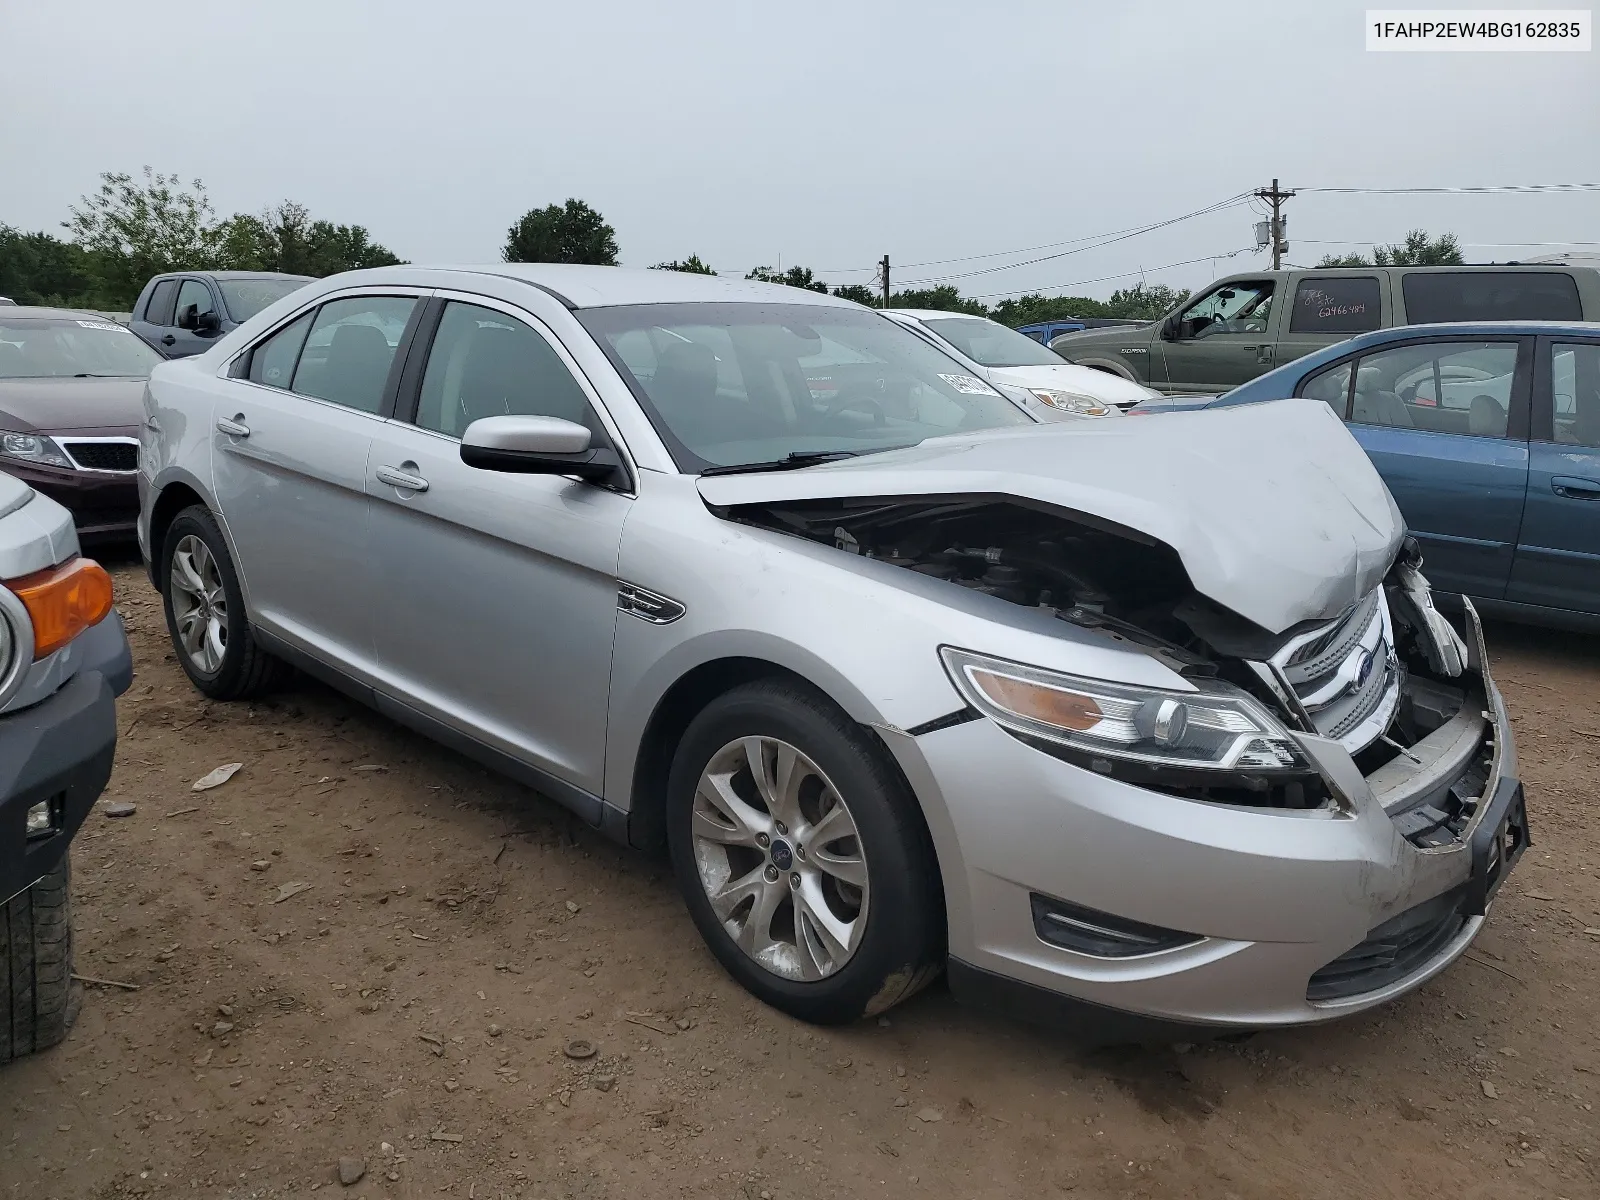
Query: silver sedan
point(1148, 718)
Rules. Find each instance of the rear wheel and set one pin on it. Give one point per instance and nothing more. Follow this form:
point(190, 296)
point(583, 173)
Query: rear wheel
point(206, 617)
point(802, 856)
point(38, 999)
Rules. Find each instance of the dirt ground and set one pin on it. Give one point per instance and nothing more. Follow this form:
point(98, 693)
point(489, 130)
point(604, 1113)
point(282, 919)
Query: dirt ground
point(412, 1007)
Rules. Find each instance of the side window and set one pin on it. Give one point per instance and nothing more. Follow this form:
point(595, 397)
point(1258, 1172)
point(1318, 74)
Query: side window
point(158, 310)
point(1233, 308)
point(272, 361)
point(486, 364)
point(1433, 296)
point(1575, 379)
point(1444, 387)
point(192, 291)
point(1331, 386)
point(1331, 305)
point(350, 348)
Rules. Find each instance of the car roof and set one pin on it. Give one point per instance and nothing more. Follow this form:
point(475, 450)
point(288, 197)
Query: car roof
point(582, 286)
point(925, 314)
point(38, 312)
point(1469, 329)
point(233, 275)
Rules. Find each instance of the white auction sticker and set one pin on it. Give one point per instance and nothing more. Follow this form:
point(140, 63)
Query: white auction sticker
point(1462, 30)
point(103, 325)
point(969, 385)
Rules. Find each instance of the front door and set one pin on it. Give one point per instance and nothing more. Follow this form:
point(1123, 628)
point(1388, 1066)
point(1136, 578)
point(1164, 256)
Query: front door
point(291, 442)
point(1221, 340)
point(500, 589)
point(1446, 424)
point(1558, 560)
point(194, 300)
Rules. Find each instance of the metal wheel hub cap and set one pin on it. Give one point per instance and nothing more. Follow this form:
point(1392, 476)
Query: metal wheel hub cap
point(780, 859)
point(199, 605)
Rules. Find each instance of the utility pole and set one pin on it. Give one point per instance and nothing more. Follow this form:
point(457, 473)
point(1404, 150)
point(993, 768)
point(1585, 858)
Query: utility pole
point(1275, 197)
point(883, 268)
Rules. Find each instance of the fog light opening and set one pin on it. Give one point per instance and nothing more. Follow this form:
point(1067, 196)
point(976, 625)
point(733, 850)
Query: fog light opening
point(45, 819)
point(1088, 931)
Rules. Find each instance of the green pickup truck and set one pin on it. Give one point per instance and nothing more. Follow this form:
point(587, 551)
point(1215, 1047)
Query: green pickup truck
point(1245, 325)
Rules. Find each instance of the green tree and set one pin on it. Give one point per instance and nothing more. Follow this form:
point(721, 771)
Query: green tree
point(134, 230)
point(285, 238)
point(691, 265)
point(945, 297)
point(1145, 303)
point(1032, 308)
point(798, 277)
point(860, 293)
point(36, 268)
point(1418, 250)
point(561, 233)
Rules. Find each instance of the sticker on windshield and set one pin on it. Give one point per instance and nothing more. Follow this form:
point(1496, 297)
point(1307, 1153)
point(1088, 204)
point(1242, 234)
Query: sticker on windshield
point(968, 385)
point(102, 325)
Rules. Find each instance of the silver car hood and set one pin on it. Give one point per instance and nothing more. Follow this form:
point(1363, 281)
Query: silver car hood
point(1274, 509)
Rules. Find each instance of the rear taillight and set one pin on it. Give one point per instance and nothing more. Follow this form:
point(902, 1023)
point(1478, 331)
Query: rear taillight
point(63, 601)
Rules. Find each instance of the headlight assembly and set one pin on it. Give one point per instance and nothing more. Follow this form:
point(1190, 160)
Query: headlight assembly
point(1074, 402)
point(34, 448)
point(1219, 732)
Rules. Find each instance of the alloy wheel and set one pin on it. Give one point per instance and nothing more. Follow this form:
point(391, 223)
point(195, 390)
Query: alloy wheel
point(199, 604)
point(780, 859)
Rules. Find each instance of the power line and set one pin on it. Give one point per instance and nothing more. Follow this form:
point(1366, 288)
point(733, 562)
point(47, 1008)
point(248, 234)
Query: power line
point(1455, 191)
point(1056, 287)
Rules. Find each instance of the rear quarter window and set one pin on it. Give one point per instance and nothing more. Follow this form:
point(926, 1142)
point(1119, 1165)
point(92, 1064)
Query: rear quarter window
point(1333, 305)
point(1490, 296)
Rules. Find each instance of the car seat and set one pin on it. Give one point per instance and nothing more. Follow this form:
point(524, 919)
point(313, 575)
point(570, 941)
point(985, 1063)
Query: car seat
point(357, 367)
point(1486, 417)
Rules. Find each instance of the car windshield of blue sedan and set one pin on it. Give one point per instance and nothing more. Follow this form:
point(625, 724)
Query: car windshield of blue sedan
point(991, 344)
point(65, 347)
point(732, 384)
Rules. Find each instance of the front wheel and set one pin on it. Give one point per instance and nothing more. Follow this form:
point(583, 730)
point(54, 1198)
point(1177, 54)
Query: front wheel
point(38, 997)
point(802, 856)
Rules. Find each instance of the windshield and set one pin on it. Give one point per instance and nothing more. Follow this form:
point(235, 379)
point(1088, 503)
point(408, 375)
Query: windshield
point(991, 344)
point(731, 384)
point(35, 349)
point(246, 297)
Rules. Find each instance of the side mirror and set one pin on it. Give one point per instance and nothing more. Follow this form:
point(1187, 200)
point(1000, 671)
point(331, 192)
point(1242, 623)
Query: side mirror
point(537, 446)
point(207, 322)
point(189, 317)
point(1170, 328)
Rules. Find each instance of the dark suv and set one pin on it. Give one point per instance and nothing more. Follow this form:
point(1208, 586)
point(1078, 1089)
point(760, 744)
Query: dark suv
point(183, 313)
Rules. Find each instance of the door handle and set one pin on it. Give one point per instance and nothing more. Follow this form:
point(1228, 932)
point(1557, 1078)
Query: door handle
point(169, 340)
point(1575, 489)
point(405, 480)
point(235, 427)
point(1264, 354)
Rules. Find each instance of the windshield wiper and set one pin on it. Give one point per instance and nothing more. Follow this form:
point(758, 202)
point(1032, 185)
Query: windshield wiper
point(789, 462)
point(101, 375)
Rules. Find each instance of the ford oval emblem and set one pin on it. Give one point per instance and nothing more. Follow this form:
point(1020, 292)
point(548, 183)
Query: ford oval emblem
point(1364, 667)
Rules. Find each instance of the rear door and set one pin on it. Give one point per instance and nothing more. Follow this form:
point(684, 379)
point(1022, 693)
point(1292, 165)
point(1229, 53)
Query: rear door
point(1325, 309)
point(153, 323)
point(1445, 421)
point(1558, 558)
point(1221, 340)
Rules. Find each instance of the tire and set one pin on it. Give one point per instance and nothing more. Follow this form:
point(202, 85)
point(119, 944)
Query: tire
point(898, 931)
point(237, 667)
point(39, 1001)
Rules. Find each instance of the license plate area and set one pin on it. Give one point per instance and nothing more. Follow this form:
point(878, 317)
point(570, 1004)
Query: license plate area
point(1497, 845)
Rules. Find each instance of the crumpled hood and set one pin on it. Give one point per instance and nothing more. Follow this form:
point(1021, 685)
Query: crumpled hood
point(1274, 509)
point(60, 405)
point(1102, 385)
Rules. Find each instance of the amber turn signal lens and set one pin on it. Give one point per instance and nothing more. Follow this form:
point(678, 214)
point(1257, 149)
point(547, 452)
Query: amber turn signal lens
point(1053, 706)
point(63, 601)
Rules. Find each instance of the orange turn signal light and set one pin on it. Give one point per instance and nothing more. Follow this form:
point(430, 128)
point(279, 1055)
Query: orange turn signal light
point(63, 601)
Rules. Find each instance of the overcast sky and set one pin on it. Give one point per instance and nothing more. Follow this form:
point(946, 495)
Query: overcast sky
point(821, 133)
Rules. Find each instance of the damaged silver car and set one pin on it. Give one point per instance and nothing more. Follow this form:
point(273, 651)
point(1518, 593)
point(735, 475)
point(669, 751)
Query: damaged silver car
point(1148, 722)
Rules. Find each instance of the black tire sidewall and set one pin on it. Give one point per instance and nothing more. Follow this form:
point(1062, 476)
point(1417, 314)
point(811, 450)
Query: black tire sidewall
point(228, 678)
point(905, 919)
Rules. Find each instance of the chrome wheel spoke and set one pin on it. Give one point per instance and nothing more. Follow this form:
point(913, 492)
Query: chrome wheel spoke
point(721, 816)
point(184, 575)
point(216, 646)
point(736, 892)
point(199, 605)
point(823, 838)
point(755, 936)
point(826, 941)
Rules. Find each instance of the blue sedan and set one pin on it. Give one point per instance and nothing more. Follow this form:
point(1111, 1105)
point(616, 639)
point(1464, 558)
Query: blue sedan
point(1488, 436)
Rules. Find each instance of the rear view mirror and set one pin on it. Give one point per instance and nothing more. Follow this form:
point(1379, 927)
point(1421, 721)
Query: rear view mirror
point(537, 446)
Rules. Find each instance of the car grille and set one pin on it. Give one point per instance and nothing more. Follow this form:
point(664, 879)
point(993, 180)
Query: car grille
point(1345, 675)
point(116, 455)
point(1392, 952)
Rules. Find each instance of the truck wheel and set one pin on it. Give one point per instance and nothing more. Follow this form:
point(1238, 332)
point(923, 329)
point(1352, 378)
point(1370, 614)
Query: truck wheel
point(38, 998)
point(802, 856)
point(206, 618)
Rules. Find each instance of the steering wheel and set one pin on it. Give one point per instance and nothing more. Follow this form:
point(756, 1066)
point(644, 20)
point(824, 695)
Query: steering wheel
point(856, 399)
